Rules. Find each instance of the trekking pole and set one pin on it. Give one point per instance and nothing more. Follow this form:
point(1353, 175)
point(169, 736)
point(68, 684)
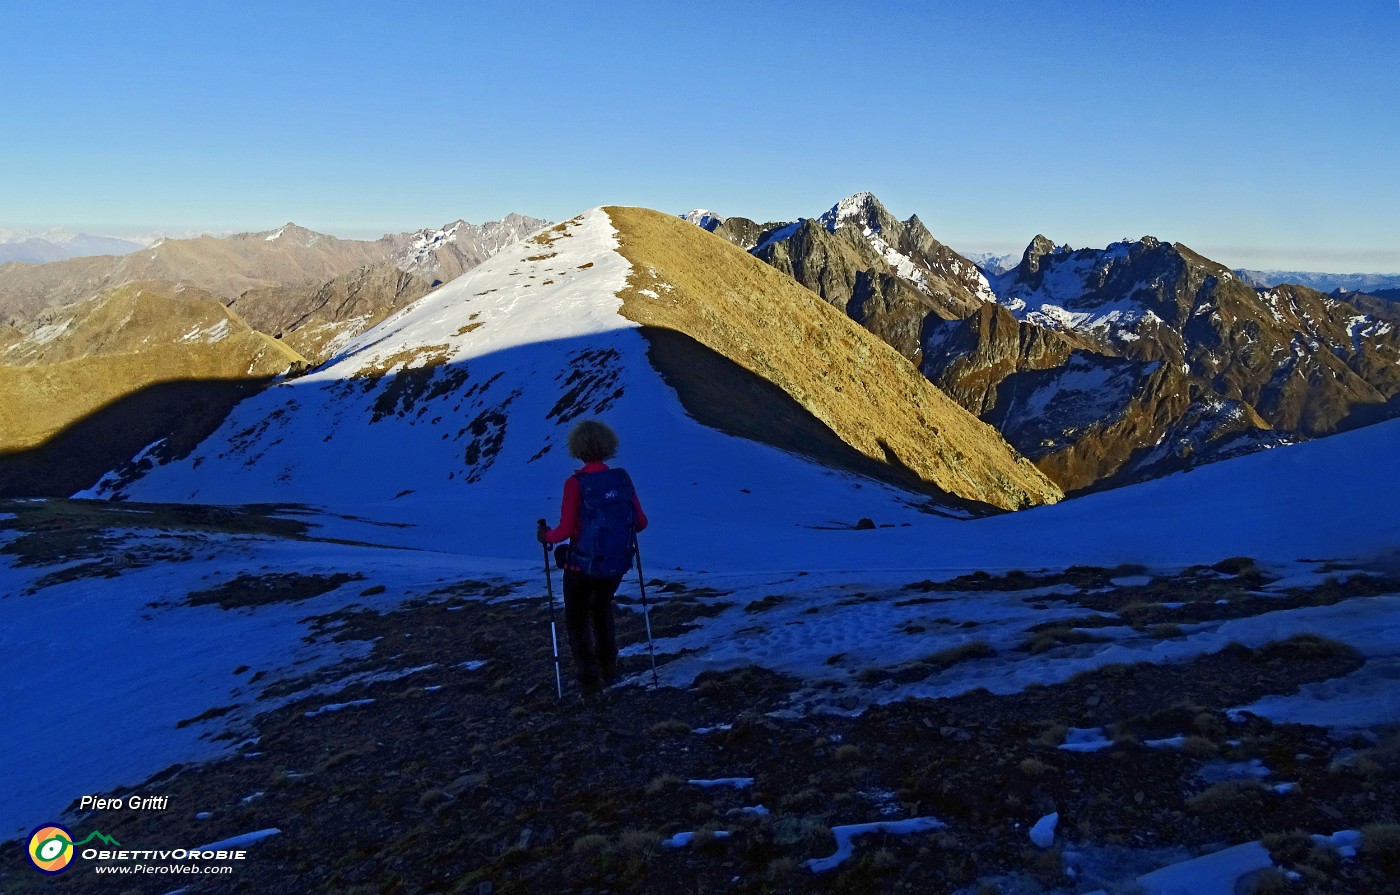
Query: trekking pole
point(646, 613)
point(553, 634)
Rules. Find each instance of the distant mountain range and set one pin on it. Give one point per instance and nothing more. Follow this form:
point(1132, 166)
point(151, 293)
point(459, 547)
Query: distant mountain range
point(1104, 366)
point(43, 246)
point(992, 263)
point(289, 256)
point(101, 356)
point(1322, 282)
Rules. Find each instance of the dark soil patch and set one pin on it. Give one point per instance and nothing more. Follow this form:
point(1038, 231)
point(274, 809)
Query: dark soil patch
point(769, 602)
point(205, 716)
point(1207, 597)
point(471, 588)
point(263, 590)
point(1078, 576)
point(102, 539)
point(911, 672)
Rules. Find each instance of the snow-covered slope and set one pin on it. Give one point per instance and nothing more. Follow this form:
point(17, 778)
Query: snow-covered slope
point(454, 412)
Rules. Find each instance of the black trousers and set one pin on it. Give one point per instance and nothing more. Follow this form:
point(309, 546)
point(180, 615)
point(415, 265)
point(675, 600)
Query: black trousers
point(588, 617)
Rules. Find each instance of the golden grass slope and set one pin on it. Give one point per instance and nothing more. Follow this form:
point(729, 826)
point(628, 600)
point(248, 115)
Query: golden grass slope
point(689, 282)
point(227, 267)
point(129, 338)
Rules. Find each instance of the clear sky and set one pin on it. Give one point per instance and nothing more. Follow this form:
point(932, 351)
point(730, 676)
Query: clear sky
point(1265, 134)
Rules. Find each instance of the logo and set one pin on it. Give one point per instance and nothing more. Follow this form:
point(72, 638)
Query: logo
point(51, 847)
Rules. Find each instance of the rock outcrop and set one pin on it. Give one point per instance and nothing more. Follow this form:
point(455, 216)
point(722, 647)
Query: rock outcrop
point(1196, 364)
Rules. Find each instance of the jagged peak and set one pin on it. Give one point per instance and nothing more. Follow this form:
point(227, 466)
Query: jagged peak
point(1127, 243)
point(703, 218)
point(511, 221)
point(1038, 248)
point(861, 206)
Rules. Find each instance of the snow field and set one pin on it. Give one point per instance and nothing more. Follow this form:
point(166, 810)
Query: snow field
point(102, 678)
point(820, 630)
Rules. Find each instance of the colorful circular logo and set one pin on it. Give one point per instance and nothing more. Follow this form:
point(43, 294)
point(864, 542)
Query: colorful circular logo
point(51, 849)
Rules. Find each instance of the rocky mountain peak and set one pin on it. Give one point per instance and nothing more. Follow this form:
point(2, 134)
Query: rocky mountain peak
point(703, 218)
point(288, 234)
point(445, 252)
point(858, 208)
point(1030, 261)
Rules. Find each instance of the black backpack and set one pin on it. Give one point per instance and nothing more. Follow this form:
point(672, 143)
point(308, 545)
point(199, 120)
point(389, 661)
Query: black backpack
point(607, 528)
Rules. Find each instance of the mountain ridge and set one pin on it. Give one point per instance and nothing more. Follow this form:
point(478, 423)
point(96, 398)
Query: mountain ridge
point(287, 257)
point(1201, 389)
point(480, 379)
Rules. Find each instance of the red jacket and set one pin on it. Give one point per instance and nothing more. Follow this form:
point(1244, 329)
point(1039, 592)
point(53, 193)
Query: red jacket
point(568, 514)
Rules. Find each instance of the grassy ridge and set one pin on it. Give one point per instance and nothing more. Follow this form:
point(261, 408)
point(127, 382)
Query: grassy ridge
point(689, 281)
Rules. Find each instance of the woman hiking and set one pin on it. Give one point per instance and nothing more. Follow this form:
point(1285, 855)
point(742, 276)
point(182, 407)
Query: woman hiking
point(600, 518)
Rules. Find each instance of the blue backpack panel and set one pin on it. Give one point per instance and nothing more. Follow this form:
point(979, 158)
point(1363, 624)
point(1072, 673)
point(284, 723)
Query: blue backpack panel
point(607, 530)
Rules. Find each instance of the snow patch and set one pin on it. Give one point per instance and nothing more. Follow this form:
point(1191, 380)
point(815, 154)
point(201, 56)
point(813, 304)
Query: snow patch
point(1214, 874)
point(1085, 739)
point(846, 835)
point(736, 782)
point(336, 707)
point(1043, 833)
point(241, 841)
point(680, 840)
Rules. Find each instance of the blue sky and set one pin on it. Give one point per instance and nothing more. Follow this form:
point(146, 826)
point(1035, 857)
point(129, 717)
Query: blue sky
point(1263, 134)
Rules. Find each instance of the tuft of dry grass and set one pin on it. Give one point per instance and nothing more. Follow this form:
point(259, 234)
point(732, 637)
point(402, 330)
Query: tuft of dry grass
point(638, 842)
point(662, 783)
point(1053, 735)
point(808, 799)
point(433, 798)
point(1059, 635)
point(591, 846)
point(670, 728)
point(1382, 840)
point(1240, 797)
point(848, 752)
point(1305, 647)
point(782, 869)
point(1035, 768)
point(964, 652)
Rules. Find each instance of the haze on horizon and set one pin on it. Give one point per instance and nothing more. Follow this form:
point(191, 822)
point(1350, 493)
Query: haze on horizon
point(1261, 134)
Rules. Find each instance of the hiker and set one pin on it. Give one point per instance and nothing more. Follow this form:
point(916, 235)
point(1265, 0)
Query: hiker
point(600, 516)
